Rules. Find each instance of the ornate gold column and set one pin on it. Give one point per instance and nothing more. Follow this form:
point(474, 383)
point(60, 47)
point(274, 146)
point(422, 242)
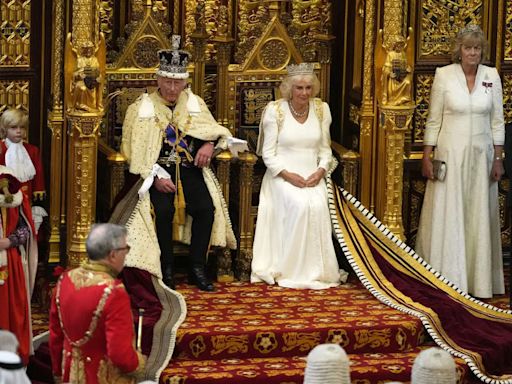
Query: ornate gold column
point(394, 60)
point(56, 125)
point(368, 135)
point(82, 158)
point(199, 39)
point(245, 221)
point(397, 121)
point(223, 42)
point(84, 77)
point(224, 263)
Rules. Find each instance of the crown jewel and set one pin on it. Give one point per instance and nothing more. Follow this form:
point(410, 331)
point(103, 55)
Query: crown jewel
point(470, 28)
point(300, 69)
point(173, 62)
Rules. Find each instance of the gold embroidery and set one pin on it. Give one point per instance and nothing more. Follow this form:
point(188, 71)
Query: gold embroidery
point(77, 369)
point(94, 321)
point(108, 373)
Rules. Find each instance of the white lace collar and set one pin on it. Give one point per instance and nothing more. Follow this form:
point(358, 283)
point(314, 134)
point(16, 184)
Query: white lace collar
point(18, 159)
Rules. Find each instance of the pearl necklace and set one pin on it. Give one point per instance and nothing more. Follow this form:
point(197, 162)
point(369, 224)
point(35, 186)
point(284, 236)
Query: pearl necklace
point(298, 114)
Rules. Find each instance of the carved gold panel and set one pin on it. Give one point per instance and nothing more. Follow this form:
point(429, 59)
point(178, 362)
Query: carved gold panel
point(14, 93)
point(252, 17)
point(85, 27)
point(507, 54)
point(310, 18)
point(441, 19)
point(305, 20)
point(202, 16)
point(159, 9)
point(107, 19)
point(248, 96)
point(423, 86)
point(15, 33)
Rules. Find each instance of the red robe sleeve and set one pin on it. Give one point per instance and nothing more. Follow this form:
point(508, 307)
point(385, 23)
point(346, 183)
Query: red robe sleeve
point(37, 183)
point(119, 331)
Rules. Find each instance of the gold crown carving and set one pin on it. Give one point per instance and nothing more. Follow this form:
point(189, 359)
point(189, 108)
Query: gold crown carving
point(300, 69)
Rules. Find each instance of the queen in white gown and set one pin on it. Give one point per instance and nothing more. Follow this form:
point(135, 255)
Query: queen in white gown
point(459, 229)
point(292, 244)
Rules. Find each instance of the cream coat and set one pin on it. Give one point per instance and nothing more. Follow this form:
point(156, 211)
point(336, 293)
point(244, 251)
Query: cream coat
point(459, 230)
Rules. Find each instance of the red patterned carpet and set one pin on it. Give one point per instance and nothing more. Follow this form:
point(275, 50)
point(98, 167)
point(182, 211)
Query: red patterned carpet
point(255, 333)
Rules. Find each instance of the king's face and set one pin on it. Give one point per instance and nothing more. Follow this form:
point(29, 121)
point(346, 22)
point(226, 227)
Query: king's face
point(170, 89)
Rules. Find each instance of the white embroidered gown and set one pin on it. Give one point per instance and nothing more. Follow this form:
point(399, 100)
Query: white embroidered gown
point(292, 243)
point(459, 230)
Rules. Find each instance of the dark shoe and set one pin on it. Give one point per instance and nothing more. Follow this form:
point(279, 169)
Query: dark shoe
point(198, 277)
point(168, 277)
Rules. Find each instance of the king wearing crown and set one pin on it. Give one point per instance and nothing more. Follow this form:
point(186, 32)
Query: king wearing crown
point(169, 138)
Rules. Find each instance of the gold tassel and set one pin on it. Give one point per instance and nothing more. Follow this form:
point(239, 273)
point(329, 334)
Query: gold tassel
point(179, 206)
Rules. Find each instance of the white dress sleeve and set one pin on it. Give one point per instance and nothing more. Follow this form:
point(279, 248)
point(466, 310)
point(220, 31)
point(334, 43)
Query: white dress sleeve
point(325, 152)
point(497, 121)
point(435, 114)
point(270, 139)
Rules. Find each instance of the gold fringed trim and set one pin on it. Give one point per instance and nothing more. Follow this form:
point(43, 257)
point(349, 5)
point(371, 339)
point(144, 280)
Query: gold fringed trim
point(345, 212)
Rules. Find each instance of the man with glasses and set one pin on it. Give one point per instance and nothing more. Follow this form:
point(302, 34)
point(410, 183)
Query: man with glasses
point(91, 324)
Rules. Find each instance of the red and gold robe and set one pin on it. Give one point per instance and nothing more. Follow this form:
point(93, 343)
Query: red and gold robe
point(18, 275)
point(92, 339)
point(34, 188)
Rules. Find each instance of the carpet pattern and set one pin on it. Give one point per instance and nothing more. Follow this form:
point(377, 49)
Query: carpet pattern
point(246, 320)
point(367, 368)
point(217, 343)
point(257, 333)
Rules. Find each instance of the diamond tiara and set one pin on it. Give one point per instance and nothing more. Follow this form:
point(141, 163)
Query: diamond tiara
point(470, 28)
point(300, 69)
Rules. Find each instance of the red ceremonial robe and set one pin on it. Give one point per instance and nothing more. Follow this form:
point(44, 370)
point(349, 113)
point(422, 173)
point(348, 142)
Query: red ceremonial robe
point(15, 291)
point(91, 328)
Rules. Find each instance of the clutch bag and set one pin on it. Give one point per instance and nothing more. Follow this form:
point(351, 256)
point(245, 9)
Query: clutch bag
point(439, 169)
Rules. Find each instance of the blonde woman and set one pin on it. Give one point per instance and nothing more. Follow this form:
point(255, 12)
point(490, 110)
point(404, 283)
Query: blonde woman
point(292, 244)
point(459, 231)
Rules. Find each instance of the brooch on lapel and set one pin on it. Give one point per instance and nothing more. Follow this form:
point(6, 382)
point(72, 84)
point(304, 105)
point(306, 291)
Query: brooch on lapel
point(487, 85)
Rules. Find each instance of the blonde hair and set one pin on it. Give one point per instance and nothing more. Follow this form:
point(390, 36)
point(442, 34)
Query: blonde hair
point(286, 86)
point(12, 118)
point(469, 36)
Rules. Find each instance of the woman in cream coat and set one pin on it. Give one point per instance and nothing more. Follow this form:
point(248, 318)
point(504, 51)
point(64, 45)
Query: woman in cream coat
point(459, 231)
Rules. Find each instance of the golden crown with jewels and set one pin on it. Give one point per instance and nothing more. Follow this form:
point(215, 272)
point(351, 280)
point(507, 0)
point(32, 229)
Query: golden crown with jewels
point(301, 69)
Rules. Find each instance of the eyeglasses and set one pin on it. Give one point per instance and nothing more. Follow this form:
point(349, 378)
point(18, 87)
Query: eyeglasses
point(126, 248)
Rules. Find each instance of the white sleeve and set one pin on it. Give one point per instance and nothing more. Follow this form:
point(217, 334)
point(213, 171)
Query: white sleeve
point(435, 113)
point(270, 138)
point(325, 152)
point(497, 121)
